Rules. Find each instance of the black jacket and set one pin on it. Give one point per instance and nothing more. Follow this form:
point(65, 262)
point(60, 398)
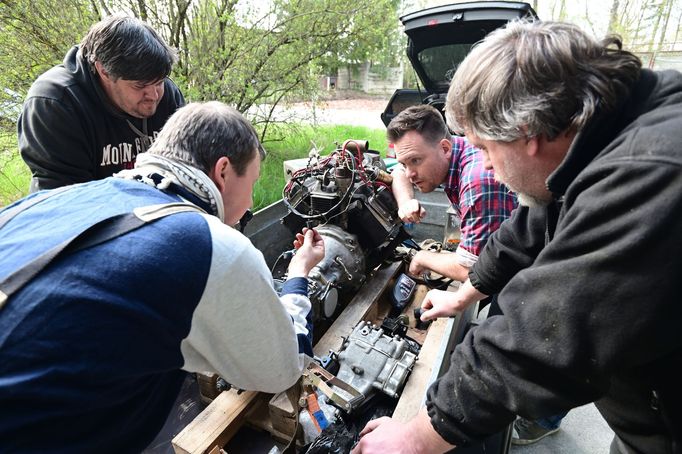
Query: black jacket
point(591, 289)
point(70, 133)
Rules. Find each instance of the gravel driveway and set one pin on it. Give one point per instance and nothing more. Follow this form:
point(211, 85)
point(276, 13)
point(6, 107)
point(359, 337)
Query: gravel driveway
point(357, 112)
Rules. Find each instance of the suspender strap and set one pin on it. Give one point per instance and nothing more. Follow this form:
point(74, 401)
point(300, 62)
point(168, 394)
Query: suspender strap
point(103, 231)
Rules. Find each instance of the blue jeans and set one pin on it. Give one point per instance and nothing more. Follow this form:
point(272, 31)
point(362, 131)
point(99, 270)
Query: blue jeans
point(551, 422)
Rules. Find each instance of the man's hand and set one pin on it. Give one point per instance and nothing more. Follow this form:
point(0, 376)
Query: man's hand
point(443, 263)
point(386, 435)
point(417, 265)
point(309, 252)
point(411, 211)
point(409, 208)
point(439, 303)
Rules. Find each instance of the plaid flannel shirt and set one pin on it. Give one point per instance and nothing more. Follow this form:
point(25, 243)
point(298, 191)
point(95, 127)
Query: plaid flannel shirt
point(482, 203)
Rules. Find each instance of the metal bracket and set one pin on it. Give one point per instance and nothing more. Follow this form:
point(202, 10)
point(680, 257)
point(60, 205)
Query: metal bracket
point(323, 380)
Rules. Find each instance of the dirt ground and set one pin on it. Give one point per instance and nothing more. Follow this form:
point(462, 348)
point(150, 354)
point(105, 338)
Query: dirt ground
point(356, 104)
point(344, 108)
point(351, 100)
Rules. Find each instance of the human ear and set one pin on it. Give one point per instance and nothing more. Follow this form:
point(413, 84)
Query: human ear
point(532, 142)
point(532, 145)
point(446, 145)
point(219, 173)
point(101, 71)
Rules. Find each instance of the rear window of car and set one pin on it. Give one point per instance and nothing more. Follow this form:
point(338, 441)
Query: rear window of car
point(440, 63)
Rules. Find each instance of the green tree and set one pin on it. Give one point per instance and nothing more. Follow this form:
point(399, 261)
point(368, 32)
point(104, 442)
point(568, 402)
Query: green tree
point(35, 35)
point(263, 57)
point(247, 54)
point(384, 43)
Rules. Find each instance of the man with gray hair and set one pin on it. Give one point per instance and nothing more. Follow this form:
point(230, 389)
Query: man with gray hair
point(587, 269)
point(111, 290)
point(92, 115)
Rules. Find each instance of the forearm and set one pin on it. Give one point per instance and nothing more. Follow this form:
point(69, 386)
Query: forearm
point(439, 303)
point(402, 189)
point(47, 172)
point(443, 263)
point(51, 142)
point(295, 300)
point(255, 333)
point(241, 327)
point(468, 294)
point(426, 436)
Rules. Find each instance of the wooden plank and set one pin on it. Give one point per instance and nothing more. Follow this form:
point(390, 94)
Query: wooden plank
point(429, 364)
point(215, 425)
point(358, 309)
point(413, 394)
point(259, 418)
point(283, 414)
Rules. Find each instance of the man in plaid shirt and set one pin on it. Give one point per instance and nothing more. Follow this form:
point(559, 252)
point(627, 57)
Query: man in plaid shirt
point(430, 156)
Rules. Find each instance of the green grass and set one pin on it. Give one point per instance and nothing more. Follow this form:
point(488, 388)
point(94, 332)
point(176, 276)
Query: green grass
point(296, 143)
point(15, 176)
point(284, 143)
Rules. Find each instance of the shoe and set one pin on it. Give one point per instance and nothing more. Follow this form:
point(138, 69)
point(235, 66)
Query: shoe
point(527, 432)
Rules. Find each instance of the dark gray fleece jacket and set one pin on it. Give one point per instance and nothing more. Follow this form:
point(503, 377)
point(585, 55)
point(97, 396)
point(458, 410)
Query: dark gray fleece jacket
point(591, 289)
point(70, 133)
